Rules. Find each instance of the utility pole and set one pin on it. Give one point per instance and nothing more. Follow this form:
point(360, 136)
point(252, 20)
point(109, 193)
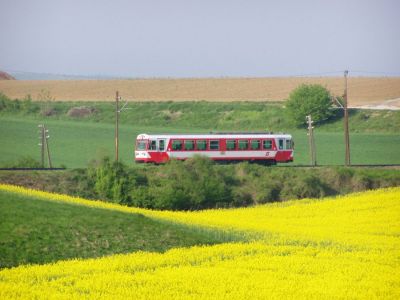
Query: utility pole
point(116, 124)
point(41, 144)
point(118, 110)
point(44, 144)
point(346, 121)
point(47, 146)
point(311, 141)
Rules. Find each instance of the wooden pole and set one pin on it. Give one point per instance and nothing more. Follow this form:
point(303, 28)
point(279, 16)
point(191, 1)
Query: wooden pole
point(46, 137)
point(346, 122)
point(116, 124)
point(41, 127)
point(311, 142)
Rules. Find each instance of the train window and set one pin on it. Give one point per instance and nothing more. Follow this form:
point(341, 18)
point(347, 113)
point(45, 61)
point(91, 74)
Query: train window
point(189, 145)
point(288, 144)
point(267, 144)
point(201, 144)
point(214, 145)
point(230, 144)
point(255, 145)
point(280, 143)
point(176, 145)
point(153, 145)
point(243, 144)
point(141, 145)
point(161, 145)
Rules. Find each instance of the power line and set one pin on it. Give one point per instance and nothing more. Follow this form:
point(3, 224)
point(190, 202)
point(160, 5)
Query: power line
point(313, 74)
point(389, 74)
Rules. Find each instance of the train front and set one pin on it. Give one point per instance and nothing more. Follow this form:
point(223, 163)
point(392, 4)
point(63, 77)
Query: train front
point(141, 153)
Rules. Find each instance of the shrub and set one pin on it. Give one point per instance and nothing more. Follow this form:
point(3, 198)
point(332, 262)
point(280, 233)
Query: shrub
point(111, 181)
point(193, 184)
point(26, 162)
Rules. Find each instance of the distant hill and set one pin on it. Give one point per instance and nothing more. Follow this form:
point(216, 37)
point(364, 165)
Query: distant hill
point(6, 76)
point(23, 75)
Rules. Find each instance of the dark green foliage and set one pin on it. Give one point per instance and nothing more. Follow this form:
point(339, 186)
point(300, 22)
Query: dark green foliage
point(25, 106)
point(312, 99)
point(111, 181)
point(199, 183)
point(193, 184)
point(307, 186)
point(25, 162)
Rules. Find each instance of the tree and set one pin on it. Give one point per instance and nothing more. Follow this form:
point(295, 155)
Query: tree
point(309, 99)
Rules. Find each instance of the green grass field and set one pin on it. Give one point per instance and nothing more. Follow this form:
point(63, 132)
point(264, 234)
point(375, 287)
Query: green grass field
point(40, 231)
point(75, 143)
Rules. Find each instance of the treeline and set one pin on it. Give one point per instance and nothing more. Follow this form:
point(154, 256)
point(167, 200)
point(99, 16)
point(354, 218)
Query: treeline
point(199, 183)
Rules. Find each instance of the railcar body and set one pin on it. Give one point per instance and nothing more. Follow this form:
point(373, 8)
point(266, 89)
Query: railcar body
point(263, 148)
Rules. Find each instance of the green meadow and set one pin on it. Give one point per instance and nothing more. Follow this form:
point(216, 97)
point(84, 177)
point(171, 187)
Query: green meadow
point(75, 143)
point(76, 140)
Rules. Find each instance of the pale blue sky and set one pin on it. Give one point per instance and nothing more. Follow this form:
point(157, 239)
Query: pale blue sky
point(184, 38)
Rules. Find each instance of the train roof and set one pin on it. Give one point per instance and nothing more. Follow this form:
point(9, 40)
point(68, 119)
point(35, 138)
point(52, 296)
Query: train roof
point(216, 135)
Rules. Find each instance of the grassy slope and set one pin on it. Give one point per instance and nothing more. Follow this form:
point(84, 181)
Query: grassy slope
point(39, 231)
point(76, 143)
point(200, 115)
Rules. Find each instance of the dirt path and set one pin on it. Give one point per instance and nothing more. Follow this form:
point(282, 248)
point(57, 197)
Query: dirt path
point(392, 104)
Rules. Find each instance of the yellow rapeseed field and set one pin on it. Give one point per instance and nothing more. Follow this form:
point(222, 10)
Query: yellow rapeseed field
point(335, 248)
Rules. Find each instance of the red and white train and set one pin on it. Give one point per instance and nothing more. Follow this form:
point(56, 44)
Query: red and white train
point(266, 148)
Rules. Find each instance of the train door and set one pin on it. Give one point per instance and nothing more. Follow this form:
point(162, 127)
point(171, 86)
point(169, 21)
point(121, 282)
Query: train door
point(161, 155)
point(161, 145)
point(152, 145)
point(281, 144)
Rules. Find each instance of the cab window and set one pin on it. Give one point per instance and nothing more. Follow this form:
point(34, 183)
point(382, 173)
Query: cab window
point(141, 145)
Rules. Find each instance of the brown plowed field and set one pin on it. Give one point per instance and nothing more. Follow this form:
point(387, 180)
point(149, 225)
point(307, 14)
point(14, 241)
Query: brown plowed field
point(362, 90)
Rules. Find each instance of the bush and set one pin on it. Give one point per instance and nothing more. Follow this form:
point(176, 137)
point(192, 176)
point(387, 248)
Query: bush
point(308, 186)
point(4, 101)
point(313, 99)
point(26, 162)
point(17, 106)
point(111, 181)
point(193, 184)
